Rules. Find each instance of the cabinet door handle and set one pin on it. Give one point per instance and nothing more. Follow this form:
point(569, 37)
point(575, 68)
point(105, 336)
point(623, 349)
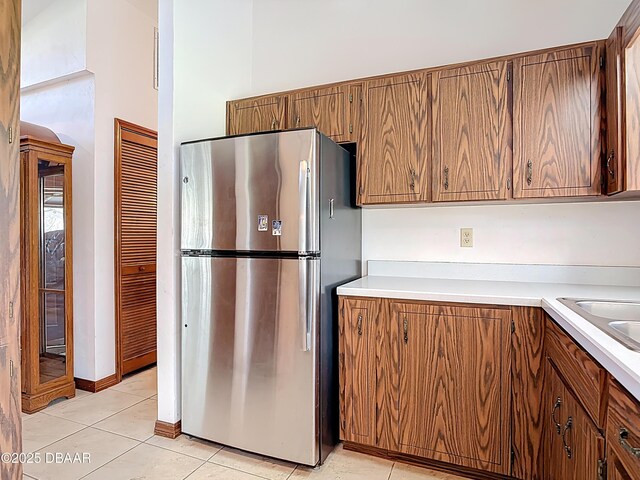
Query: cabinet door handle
point(610, 158)
point(273, 124)
point(298, 121)
point(412, 183)
point(446, 178)
point(567, 427)
point(359, 325)
point(406, 330)
point(529, 172)
point(553, 414)
point(624, 441)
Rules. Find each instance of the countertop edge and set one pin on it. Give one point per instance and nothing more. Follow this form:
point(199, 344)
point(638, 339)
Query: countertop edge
point(586, 335)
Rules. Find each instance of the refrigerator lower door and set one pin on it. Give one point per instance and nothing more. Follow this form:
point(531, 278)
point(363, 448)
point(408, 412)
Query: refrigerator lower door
point(249, 369)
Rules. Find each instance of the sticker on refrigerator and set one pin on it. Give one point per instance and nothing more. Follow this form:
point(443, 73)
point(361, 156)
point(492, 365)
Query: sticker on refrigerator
point(263, 223)
point(276, 227)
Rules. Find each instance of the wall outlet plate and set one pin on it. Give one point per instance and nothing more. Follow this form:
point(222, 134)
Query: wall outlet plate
point(466, 237)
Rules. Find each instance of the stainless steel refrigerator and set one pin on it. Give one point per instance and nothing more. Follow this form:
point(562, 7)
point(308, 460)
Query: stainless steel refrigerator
point(269, 230)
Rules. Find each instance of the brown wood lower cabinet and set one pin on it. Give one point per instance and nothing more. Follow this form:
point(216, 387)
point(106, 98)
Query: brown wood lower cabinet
point(357, 327)
point(573, 446)
point(426, 380)
point(623, 435)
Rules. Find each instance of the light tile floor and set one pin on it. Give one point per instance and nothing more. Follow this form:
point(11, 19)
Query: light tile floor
point(115, 427)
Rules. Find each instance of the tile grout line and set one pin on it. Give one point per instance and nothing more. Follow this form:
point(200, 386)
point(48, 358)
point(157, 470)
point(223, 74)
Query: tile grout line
point(393, 465)
point(146, 442)
point(107, 463)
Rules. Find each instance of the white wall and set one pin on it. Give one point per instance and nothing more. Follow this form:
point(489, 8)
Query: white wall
point(220, 50)
point(86, 62)
point(120, 38)
point(54, 42)
point(318, 42)
point(297, 44)
point(67, 107)
point(205, 54)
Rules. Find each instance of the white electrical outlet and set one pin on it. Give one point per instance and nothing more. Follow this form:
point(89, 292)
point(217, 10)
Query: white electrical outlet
point(466, 237)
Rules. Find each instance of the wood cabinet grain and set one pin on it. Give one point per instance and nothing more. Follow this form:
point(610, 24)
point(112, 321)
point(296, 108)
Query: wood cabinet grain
point(623, 434)
point(11, 428)
point(614, 166)
point(357, 326)
point(632, 113)
point(454, 384)
point(329, 109)
point(471, 133)
point(573, 446)
point(557, 123)
point(583, 375)
point(256, 115)
point(394, 140)
point(527, 377)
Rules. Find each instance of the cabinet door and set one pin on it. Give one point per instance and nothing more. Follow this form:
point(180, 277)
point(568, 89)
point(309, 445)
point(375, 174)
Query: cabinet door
point(471, 133)
point(632, 112)
point(357, 331)
point(454, 384)
point(614, 163)
point(328, 109)
point(256, 115)
point(623, 431)
point(557, 123)
point(573, 448)
point(393, 150)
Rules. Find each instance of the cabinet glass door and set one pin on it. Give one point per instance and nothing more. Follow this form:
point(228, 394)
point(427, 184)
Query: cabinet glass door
point(52, 272)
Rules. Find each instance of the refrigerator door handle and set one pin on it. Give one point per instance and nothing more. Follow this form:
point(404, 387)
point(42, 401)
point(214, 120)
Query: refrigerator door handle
point(308, 288)
point(303, 185)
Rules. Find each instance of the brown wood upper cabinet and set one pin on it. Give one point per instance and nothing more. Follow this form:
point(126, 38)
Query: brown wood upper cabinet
point(256, 115)
point(557, 123)
point(394, 141)
point(471, 133)
point(333, 110)
point(630, 102)
point(615, 151)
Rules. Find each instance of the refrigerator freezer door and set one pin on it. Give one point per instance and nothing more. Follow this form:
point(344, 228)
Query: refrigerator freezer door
point(249, 369)
point(251, 193)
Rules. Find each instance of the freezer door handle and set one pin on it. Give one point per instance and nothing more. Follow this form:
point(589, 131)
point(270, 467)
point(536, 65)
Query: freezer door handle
point(308, 288)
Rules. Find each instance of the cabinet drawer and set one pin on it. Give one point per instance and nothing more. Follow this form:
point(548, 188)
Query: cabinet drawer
point(623, 428)
point(583, 376)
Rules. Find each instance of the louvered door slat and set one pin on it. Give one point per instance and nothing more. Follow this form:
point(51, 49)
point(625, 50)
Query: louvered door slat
point(137, 214)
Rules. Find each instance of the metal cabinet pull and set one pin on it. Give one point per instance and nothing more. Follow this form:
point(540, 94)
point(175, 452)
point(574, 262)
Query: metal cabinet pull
point(529, 172)
point(331, 208)
point(446, 178)
point(624, 436)
point(298, 121)
point(273, 124)
point(553, 414)
point(406, 330)
point(610, 158)
point(567, 427)
point(359, 324)
point(412, 184)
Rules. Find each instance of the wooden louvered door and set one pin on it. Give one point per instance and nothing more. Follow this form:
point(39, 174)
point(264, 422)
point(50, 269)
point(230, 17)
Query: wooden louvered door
point(136, 152)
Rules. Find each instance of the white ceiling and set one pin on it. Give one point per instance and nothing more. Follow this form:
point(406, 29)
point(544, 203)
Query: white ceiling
point(31, 8)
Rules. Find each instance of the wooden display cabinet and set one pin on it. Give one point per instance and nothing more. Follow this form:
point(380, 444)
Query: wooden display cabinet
point(47, 313)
